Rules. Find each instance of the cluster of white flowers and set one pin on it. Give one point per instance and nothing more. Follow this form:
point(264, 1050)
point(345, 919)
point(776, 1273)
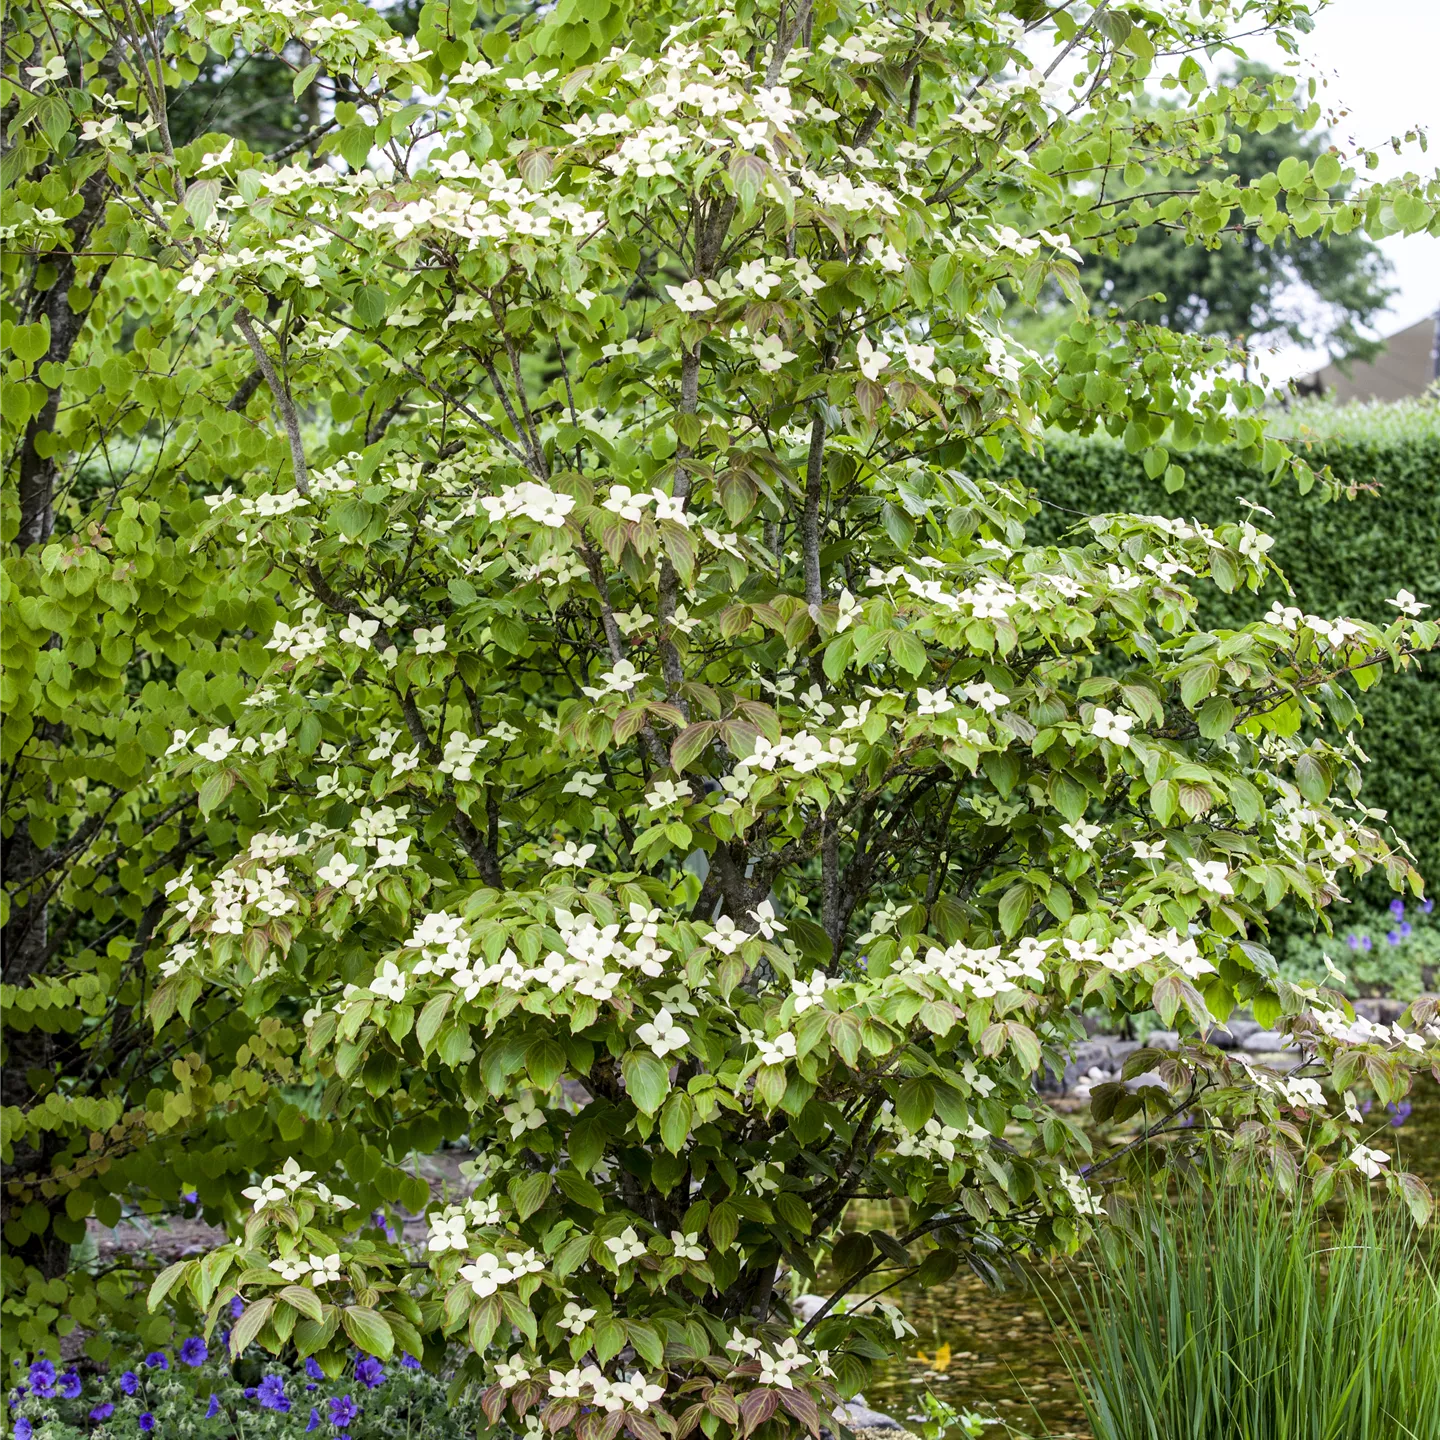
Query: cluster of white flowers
point(593, 963)
point(778, 1365)
point(630, 505)
point(449, 1229)
point(1127, 952)
point(461, 753)
point(802, 752)
point(1336, 633)
point(636, 1394)
point(1361, 1031)
point(300, 641)
point(533, 501)
point(492, 206)
point(979, 972)
point(935, 1142)
point(280, 1188)
point(486, 1274)
point(231, 894)
point(319, 1269)
point(988, 972)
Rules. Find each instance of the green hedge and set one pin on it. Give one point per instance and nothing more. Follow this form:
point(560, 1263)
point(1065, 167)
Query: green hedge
point(1343, 558)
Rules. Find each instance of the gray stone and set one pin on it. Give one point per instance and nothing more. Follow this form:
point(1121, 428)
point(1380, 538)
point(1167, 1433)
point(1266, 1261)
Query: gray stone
point(1163, 1040)
point(1380, 1009)
point(1265, 1041)
point(1279, 1059)
point(1146, 1081)
point(806, 1307)
point(1240, 1028)
point(1106, 1054)
point(861, 1417)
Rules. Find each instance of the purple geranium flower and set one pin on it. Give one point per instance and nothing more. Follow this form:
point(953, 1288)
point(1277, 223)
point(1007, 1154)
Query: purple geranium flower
point(194, 1352)
point(409, 1362)
point(129, 1383)
point(1366, 943)
point(147, 1422)
point(1405, 930)
point(23, 1429)
point(343, 1411)
point(213, 1409)
point(189, 1197)
point(42, 1378)
point(271, 1394)
point(1397, 908)
point(70, 1385)
point(314, 1420)
point(237, 1308)
point(157, 1360)
point(1353, 941)
point(369, 1372)
point(1392, 937)
point(1426, 906)
point(312, 1368)
point(103, 1412)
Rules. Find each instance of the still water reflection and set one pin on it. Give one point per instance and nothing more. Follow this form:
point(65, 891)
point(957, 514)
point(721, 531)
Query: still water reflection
point(993, 1353)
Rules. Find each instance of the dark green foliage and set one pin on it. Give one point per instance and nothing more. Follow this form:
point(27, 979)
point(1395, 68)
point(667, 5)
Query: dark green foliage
point(1343, 558)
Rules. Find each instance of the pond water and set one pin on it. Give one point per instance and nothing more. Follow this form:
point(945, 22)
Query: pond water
point(992, 1352)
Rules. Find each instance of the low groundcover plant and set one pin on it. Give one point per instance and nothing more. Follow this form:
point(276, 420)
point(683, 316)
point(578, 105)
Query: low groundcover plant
point(193, 1392)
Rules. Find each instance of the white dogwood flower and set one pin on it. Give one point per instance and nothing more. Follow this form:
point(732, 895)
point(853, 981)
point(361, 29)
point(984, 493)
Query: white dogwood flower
point(1111, 725)
point(1211, 875)
point(662, 1034)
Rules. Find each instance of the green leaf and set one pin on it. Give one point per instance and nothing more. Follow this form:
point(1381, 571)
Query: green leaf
point(368, 1330)
point(1216, 717)
point(200, 199)
point(675, 1121)
point(908, 652)
point(1014, 907)
point(647, 1081)
point(528, 1192)
point(915, 1104)
point(302, 80)
point(580, 1190)
point(545, 1062)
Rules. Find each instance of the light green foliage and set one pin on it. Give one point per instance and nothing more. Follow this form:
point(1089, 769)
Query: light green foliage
point(619, 720)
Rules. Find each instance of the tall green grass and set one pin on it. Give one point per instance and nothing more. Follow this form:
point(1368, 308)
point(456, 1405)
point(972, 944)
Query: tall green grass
point(1233, 1314)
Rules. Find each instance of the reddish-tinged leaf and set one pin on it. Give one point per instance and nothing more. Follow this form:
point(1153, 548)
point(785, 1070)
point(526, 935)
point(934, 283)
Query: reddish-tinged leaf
point(756, 1407)
point(558, 1413)
point(721, 1402)
point(691, 743)
point(803, 1408)
point(642, 1427)
point(492, 1402)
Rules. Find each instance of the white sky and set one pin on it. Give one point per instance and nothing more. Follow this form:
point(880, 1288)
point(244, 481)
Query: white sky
point(1381, 59)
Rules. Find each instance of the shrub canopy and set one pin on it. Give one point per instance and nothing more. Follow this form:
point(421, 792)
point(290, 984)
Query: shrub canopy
point(513, 604)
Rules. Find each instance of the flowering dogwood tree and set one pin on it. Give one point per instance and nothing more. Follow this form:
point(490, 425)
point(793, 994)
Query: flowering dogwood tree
point(660, 755)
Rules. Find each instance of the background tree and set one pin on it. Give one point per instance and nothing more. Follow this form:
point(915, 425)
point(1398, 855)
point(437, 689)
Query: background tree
point(1310, 289)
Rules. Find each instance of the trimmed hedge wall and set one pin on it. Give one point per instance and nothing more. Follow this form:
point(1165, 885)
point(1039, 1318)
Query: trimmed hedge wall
point(1343, 558)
